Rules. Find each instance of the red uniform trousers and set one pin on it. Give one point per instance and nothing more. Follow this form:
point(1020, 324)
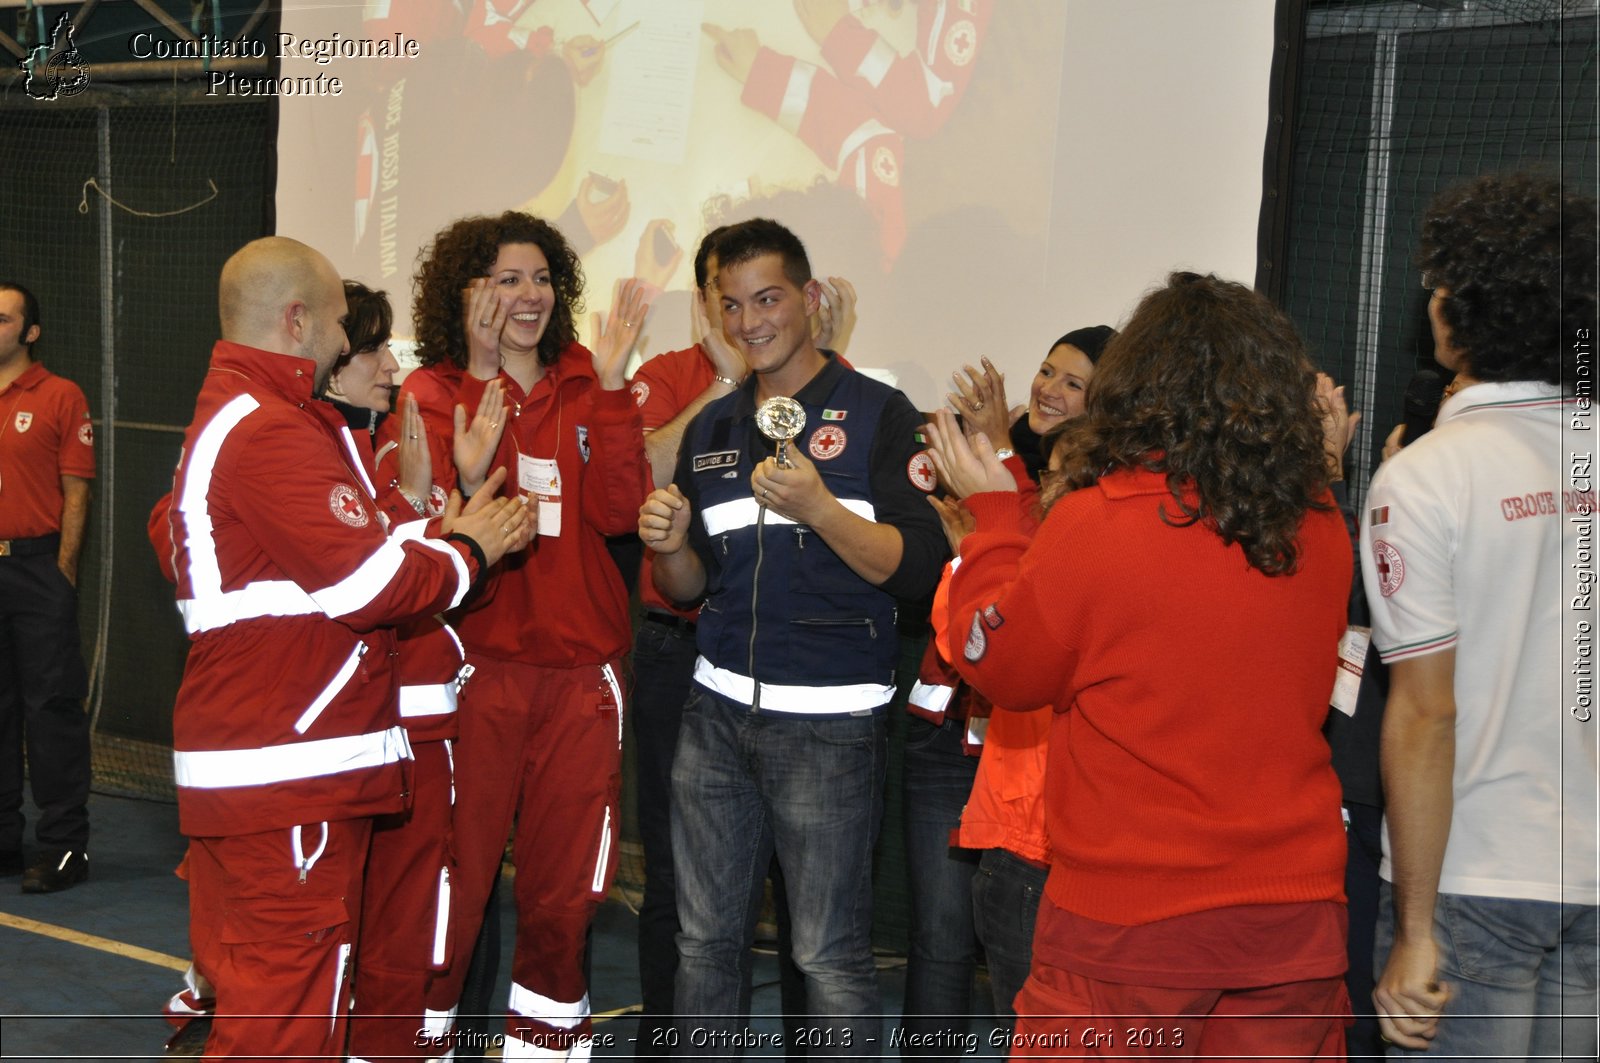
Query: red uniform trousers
point(406, 939)
point(1064, 1015)
point(274, 930)
point(541, 748)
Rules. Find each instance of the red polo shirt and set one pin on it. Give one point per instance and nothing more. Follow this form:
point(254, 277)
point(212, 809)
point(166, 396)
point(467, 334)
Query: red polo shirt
point(45, 434)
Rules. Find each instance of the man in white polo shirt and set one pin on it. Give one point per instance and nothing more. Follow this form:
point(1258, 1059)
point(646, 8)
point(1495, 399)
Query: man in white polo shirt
point(1488, 934)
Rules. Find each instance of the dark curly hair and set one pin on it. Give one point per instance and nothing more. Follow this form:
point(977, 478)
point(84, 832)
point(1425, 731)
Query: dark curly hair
point(1516, 255)
point(466, 249)
point(1209, 383)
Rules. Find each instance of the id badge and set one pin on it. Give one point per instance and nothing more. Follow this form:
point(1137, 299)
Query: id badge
point(1347, 677)
point(540, 480)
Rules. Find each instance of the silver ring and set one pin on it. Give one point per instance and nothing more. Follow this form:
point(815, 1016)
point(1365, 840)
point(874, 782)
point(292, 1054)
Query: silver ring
point(494, 424)
point(484, 322)
point(976, 406)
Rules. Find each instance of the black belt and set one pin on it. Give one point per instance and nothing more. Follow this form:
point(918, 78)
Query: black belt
point(671, 620)
point(39, 544)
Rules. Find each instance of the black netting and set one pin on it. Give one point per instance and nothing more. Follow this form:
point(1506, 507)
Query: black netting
point(1397, 101)
point(122, 205)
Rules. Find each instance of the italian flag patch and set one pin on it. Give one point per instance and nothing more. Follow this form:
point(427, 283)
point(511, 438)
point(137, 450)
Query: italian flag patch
point(833, 415)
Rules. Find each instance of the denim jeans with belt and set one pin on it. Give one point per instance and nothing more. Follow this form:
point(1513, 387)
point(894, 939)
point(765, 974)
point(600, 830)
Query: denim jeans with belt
point(744, 785)
point(1522, 977)
point(1005, 902)
point(943, 950)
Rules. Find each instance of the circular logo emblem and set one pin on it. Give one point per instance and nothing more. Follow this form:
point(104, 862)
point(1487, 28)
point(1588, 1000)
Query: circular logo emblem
point(86, 434)
point(641, 392)
point(1391, 567)
point(919, 470)
point(346, 505)
point(436, 500)
point(827, 442)
point(977, 642)
point(884, 166)
point(961, 42)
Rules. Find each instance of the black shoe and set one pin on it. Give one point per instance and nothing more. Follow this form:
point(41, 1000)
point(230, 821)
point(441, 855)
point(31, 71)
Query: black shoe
point(11, 863)
point(55, 870)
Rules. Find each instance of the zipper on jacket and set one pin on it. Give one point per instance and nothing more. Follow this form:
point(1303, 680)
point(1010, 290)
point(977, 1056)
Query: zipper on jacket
point(755, 598)
point(870, 624)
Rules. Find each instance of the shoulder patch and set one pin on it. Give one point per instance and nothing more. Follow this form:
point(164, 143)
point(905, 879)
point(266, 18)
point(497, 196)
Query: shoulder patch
point(436, 500)
point(961, 42)
point(992, 618)
point(919, 470)
point(1391, 567)
point(345, 503)
point(86, 434)
point(717, 459)
point(640, 391)
point(977, 641)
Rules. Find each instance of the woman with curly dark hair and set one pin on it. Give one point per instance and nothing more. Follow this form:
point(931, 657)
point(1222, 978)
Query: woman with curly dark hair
point(1181, 608)
point(496, 305)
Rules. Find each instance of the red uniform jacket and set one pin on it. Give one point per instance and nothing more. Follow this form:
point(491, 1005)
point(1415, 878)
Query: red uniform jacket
point(561, 603)
point(285, 574)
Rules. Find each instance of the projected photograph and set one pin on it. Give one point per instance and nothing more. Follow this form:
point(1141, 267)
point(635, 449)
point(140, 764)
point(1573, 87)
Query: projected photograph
point(900, 139)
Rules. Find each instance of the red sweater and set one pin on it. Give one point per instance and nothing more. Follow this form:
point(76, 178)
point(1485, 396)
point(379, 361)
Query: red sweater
point(561, 603)
point(1187, 770)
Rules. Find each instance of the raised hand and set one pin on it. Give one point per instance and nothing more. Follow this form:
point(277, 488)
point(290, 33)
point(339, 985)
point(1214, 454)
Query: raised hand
point(475, 445)
point(613, 337)
point(965, 467)
point(414, 456)
point(980, 399)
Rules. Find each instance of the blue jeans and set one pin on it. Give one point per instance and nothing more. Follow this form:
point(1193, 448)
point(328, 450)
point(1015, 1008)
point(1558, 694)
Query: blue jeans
point(1522, 977)
point(943, 952)
point(1005, 903)
point(744, 786)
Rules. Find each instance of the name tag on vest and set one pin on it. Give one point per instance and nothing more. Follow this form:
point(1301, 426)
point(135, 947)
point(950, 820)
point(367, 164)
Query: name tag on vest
point(720, 459)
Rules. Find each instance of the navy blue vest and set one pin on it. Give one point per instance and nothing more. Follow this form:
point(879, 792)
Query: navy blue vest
point(781, 606)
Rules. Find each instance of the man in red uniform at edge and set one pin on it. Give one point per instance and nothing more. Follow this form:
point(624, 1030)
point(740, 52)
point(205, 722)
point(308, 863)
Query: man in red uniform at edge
point(541, 722)
point(46, 463)
point(1181, 608)
point(280, 557)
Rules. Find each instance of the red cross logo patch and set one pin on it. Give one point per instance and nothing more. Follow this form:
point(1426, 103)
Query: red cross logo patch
point(884, 166)
point(641, 392)
point(919, 470)
point(827, 442)
point(961, 42)
point(24, 420)
point(1391, 567)
point(346, 505)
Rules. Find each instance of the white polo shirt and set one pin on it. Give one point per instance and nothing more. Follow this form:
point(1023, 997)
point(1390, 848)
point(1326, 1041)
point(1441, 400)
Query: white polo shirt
point(1465, 543)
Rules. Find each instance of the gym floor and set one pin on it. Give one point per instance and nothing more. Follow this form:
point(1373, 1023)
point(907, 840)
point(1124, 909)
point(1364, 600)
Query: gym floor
point(84, 973)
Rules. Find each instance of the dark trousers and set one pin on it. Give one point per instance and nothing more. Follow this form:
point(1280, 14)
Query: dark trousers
point(42, 687)
point(663, 673)
point(944, 945)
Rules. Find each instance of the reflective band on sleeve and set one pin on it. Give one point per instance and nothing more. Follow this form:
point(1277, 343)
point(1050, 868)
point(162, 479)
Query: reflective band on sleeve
point(743, 513)
point(251, 602)
point(876, 63)
point(931, 696)
point(222, 769)
point(434, 699)
point(205, 576)
point(413, 531)
point(349, 442)
point(799, 700)
point(562, 1015)
point(329, 692)
point(866, 131)
point(796, 96)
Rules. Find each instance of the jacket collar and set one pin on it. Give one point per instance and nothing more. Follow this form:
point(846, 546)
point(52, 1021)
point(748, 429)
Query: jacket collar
point(1499, 394)
point(814, 393)
point(289, 376)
